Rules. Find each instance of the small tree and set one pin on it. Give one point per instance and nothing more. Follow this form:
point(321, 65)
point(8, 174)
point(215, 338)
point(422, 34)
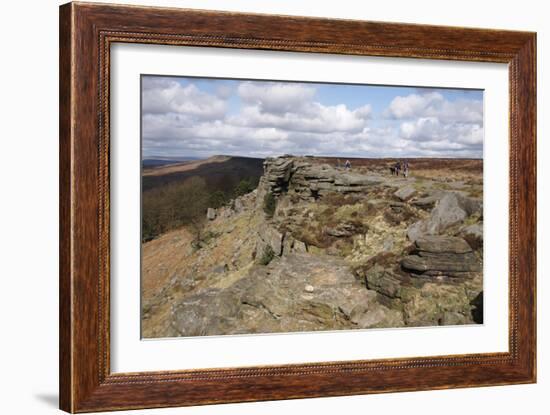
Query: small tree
point(245, 186)
point(217, 199)
point(191, 202)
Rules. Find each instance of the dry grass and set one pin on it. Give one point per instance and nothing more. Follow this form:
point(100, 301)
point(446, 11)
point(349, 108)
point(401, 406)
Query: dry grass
point(163, 257)
point(443, 165)
point(171, 256)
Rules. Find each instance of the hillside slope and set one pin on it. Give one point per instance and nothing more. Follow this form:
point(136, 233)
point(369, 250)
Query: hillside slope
point(218, 171)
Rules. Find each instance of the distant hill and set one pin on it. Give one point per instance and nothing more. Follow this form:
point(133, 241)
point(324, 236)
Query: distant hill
point(220, 172)
point(157, 162)
point(180, 166)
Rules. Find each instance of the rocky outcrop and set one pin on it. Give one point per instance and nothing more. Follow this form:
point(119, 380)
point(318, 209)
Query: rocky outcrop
point(429, 296)
point(298, 176)
point(451, 209)
point(294, 293)
point(333, 251)
point(234, 206)
point(442, 257)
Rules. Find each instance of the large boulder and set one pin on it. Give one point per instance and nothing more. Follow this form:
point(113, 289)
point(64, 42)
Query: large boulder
point(442, 255)
point(447, 212)
point(269, 236)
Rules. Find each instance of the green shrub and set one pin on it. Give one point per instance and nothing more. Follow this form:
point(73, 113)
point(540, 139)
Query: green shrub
point(267, 255)
point(217, 199)
point(270, 204)
point(245, 186)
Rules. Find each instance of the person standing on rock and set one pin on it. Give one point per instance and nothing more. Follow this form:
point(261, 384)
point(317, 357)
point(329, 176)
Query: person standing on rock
point(348, 165)
point(405, 169)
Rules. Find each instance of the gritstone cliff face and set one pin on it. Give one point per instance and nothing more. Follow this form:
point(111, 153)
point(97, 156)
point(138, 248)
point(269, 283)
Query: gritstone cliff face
point(319, 247)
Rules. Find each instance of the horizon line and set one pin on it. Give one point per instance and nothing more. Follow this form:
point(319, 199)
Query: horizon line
point(307, 156)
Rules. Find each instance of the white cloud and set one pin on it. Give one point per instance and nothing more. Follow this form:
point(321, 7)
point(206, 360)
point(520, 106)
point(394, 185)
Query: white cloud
point(422, 129)
point(431, 134)
point(433, 104)
point(276, 97)
point(161, 96)
point(276, 117)
point(315, 117)
point(433, 125)
point(292, 107)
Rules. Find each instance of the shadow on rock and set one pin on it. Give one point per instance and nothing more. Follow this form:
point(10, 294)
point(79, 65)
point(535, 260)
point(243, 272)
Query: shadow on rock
point(477, 311)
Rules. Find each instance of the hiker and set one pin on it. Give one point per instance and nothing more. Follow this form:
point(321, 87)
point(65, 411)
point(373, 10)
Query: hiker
point(397, 168)
point(348, 165)
point(405, 169)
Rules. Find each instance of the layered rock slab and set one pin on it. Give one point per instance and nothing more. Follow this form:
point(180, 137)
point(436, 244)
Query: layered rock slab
point(440, 256)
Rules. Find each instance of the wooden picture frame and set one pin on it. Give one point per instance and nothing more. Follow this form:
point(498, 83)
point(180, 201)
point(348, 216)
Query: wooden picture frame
point(86, 33)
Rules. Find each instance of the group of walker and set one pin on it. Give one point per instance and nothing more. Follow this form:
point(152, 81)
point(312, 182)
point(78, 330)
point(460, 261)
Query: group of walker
point(401, 167)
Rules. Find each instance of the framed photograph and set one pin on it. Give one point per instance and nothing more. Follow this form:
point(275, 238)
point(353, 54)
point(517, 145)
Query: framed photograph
point(258, 207)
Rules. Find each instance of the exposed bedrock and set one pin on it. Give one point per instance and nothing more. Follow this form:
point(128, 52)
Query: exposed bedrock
point(318, 247)
point(297, 175)
point(442, 256)
point(451, 209)
point(294, 293)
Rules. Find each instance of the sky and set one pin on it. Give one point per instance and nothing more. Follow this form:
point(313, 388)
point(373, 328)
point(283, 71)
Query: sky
point(202, 117)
